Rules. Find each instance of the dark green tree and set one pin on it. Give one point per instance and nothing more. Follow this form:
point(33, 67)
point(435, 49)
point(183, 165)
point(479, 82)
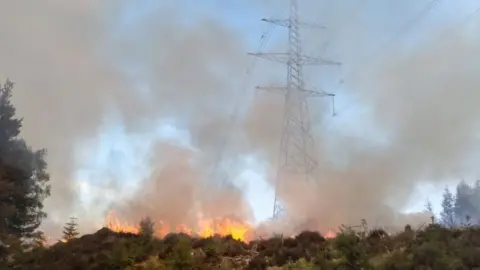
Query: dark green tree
point(147, 227)
point(70, 230)
point(23, 176)
point(447, 215)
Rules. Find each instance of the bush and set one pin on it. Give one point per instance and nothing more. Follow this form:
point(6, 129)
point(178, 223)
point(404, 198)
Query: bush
point(147, 228)
point(434, 247)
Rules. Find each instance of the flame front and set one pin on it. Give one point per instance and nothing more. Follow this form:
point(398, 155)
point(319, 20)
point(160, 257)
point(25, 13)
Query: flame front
point(114, 224)
point(206, 227)
point(223, 227)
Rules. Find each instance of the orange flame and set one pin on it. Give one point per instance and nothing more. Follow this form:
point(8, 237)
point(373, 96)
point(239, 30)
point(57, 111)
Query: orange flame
point(238, 230)
point(330, 234)
point(114, 224)
point(206, 227)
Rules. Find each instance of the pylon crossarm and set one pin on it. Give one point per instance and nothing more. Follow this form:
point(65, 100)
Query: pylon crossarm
point(287, 23)
point(282, 58)
point(275, 89)
point(313, 93)
point(285, 58)
point(284, 89)
point(309, 61)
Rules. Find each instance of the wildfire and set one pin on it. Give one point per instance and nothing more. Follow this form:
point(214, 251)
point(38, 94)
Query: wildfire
point(206, 227)
point(330, 234)
point(238, 230)
point(114, 224)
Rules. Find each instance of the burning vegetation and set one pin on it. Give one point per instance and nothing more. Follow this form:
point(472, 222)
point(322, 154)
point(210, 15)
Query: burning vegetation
point(238, 230)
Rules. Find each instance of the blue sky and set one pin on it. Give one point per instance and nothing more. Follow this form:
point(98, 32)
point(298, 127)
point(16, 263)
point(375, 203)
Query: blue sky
point(129, 150)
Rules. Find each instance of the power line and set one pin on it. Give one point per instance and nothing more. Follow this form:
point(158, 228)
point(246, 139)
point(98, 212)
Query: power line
point(369, 59)
point(235, 115)
point(469, 17)
point(356, 10)
point(464, 21)
point(404, 30)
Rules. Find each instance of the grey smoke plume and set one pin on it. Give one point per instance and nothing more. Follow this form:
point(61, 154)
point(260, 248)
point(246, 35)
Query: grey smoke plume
point(69, 81)
point(177, 194)
point(68, 85)
point(424, 102)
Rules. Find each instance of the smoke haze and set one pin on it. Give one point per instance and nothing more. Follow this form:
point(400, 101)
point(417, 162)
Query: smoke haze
point(73, 71)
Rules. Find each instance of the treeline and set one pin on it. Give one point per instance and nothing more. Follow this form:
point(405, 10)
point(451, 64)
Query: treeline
point(461, 208)
point(432, 248)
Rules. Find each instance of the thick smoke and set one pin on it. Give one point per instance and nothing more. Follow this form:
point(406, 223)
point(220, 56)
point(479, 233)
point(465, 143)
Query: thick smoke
point(424, 102)
point(63, 88)
point(174, 193)
point(66, 63)
point(73, 70)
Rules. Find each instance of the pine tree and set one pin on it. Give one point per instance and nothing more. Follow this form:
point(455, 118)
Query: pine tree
point(428, 206)
point(429, 210)
point(448, 209)
point(70, 229)
point(23, 176)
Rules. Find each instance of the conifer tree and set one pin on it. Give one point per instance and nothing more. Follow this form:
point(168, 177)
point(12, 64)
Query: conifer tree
point(70, 230)
point(448, 209)
point(428, 206)
point(23, 176)
point(429, 210)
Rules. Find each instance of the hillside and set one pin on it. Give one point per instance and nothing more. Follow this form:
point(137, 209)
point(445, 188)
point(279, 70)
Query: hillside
point(434, 247)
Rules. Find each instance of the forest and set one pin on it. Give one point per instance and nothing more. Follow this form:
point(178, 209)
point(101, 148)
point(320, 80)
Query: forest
point(450, 241)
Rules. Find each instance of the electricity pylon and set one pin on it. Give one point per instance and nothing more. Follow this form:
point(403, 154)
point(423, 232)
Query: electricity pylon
point(296, 137)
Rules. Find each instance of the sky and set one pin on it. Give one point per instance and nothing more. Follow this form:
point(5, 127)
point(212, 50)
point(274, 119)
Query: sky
point(100, 149)
point(244, 16)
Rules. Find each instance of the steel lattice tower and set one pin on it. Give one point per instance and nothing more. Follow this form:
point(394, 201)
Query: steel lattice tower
point(296, 139)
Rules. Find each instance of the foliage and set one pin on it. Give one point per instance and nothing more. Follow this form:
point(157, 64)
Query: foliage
point(23, 176)
point(147, 228)
point(467, 201)
point(463, 207)
point(447, 215)
point(182, 255)
point(38, 240)
point(434, 247)
point(301, 264)
point(70, 229)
